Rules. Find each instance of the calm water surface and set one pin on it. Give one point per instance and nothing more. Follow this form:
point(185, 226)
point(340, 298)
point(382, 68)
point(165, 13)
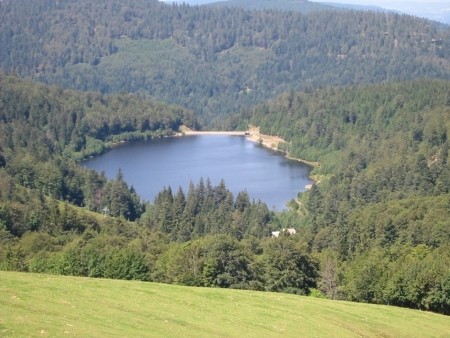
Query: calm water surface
point(244, 165)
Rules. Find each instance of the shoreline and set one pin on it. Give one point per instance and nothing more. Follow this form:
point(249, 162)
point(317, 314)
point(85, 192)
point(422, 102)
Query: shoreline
point(273, 142)
point(253, 135)
point(285, 155)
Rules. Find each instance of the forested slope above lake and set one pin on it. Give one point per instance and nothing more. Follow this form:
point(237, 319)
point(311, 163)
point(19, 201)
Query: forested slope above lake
point(382, 206)
point(78, 124)
point(213, 60)
point(43, 130)
point(374, 143)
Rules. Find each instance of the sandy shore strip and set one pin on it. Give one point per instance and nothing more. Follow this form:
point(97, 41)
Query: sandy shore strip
point(273, 142)
point(267, 141)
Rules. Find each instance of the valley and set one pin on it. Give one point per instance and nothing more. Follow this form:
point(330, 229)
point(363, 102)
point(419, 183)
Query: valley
point(357, 100)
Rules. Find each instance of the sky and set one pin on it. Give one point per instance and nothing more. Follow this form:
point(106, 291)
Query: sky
point(386, 2)
point(381, 3)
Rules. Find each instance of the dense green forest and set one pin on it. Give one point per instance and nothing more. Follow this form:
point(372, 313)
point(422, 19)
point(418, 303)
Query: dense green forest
point(47, 223)
point(43, 130)
point(213, 60)
point(382, 210)
point(376, 229)
point(381, 149)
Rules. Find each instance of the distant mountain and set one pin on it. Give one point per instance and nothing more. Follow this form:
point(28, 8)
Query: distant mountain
point(354, 7)
point(303, 6)
point(439, 11)
point(213, 60)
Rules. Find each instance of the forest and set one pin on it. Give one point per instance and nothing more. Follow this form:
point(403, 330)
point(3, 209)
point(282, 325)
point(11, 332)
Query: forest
point(383, 154)
point(213, 60)
point(374, 229)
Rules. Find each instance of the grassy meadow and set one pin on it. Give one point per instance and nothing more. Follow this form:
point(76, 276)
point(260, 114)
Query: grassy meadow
point(34, 305)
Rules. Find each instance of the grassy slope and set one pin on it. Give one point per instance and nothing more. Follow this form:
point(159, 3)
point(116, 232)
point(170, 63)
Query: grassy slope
point(42, 305)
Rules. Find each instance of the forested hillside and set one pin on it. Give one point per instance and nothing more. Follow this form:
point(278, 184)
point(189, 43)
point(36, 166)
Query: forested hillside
point(75, 123)
point(213, 60)
point(380, 217)
point(44, 129)
point(58, 217)
point(376, 229)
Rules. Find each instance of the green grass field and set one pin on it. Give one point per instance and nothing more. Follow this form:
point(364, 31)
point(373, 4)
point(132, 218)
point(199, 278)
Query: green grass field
point(34, 305)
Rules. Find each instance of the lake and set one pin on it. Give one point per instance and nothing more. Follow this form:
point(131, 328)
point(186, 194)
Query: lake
point(175, 161)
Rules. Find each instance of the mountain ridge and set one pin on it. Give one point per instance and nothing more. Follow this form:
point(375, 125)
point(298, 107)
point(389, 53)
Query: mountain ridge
point(214, 60)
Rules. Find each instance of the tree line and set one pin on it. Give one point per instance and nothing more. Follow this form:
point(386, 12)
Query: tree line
point(207, 210)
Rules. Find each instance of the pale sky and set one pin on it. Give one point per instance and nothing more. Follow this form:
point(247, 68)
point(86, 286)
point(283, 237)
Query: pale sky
point(359, 2)
point(386, 3)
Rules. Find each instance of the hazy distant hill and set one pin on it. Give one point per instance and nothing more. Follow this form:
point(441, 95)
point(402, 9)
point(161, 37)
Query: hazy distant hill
point(433, 11)
point(354, 7)
point(213, 60)
point(303, 6)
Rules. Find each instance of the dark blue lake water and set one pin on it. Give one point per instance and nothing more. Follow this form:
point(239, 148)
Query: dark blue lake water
point(244, 165)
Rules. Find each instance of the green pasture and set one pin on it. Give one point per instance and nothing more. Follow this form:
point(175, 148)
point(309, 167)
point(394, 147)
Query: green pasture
point(34, 305)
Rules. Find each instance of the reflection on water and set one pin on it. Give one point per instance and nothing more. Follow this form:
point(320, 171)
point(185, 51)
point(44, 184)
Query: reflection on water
point(244, 165)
